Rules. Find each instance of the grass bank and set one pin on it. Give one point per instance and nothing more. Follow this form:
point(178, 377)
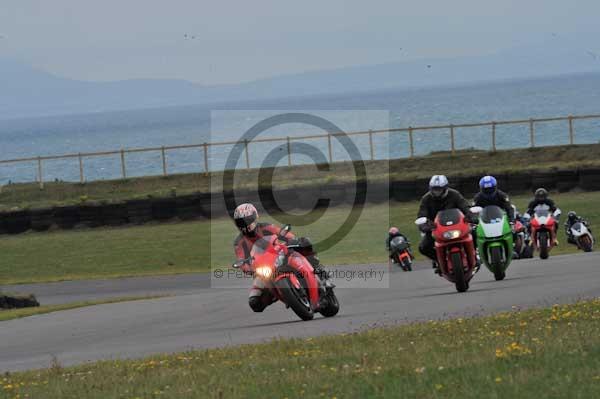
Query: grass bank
point(548, 353)
point(463, 163)
point(26, 312)
point(196, 246)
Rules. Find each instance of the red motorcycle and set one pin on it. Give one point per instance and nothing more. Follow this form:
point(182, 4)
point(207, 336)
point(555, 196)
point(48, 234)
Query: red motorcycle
point(290, 277)
point(454, 246)
point(543, 230)
point(523, 247)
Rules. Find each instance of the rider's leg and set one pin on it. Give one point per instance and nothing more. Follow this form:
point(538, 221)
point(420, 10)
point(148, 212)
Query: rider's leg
point(259, 298)
point(427, 248)
point(311, 256)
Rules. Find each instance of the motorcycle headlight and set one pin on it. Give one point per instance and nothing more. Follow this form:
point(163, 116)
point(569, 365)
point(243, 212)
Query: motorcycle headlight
point(264, 272)
point(452, 234)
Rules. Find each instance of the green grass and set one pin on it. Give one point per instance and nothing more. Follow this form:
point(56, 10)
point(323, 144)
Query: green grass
point(544, 353)
point(187, 247)
point(466, 162)
point(11, 314)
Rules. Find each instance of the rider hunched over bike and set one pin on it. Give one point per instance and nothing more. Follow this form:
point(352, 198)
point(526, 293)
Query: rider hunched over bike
point(394, 232)
point(489, 195)
point(542, 198)
point(246, 219)
point(440, 197)
point(573, 218)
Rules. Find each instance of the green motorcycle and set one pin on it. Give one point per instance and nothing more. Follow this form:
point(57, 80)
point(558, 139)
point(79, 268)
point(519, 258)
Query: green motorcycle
point(494, 239)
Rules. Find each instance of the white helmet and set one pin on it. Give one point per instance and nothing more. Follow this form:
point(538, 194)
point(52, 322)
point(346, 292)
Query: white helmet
point(438, 186)
point(245, 217)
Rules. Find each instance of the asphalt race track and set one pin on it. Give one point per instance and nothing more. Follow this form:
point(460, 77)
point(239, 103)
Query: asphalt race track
point(196, 316)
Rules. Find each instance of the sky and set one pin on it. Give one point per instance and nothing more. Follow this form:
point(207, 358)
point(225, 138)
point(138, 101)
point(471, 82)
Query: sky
point(230, 42)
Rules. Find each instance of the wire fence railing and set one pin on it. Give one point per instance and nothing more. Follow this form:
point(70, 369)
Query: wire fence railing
point(202, 163)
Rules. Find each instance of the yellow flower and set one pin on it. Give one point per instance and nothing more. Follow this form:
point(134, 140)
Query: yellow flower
point(498, 380)
point(438, 386)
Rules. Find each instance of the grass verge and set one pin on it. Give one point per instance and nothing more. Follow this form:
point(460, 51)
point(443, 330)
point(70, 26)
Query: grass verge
point(198, 246)
point(11, 314)
point(549, 353)
point(463, 163)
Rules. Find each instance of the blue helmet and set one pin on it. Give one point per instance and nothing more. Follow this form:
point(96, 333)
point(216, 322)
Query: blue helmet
point(488, 186)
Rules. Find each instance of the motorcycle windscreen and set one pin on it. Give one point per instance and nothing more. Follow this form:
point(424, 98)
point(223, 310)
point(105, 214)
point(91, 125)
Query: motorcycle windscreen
point(492, 221)
point(449, 217)
point(578, 228)
point(542, 213)
point(398, 244)
point(260, 247)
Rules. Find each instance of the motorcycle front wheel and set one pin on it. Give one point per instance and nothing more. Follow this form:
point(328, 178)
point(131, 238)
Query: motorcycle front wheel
point(496, 259)
point(297, 299)
point(459, 273)
point(543, 240)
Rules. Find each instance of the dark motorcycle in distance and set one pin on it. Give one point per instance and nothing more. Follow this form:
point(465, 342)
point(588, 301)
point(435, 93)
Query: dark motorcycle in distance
point(400, 253)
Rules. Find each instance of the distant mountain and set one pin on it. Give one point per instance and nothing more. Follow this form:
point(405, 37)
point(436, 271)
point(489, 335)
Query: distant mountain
point(28, 92)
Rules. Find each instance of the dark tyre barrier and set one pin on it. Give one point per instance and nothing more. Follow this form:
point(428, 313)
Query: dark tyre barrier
point(188, 207)
point(41, 219)
point(566, 180)
point(518, 183)
point(377, 192)
point(547, 180)
point(164, 209)
point(91, 216)
point(403, 190)
point(204, 205)
point(115, 214)
point(139, 211)
point(66, 217)
point(209, 205)
point(16, 222)
point(589, 179)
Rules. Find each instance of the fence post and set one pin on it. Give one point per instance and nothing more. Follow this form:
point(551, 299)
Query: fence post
point(412, 143)
point(163, 155)
point(571, 131)
point(289, 151)
point(452, 145)
point(81, 177)
point(247, 154)
point(40, 173)
point(531, 133)
point(494, 136)
point(329, 148)
point(205, 145)
point(371, 143)
point(123, 171)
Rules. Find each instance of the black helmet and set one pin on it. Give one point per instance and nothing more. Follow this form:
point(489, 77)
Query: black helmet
point(572, 216)
point(541, 194)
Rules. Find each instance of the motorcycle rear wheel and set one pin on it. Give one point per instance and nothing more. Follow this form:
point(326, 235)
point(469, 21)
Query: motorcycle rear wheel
point(407, 265)
point(459, 273)
point(333, 306)
point(296, 299)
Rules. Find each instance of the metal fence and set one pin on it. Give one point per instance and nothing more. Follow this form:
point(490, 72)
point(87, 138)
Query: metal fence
point(203, 165)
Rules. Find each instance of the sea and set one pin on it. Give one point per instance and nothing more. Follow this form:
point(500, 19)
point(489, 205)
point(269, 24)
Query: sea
point(231, 123)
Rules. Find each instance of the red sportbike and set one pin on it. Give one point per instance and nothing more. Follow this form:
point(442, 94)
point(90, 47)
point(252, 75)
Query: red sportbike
point(290, 277)
point(543, 231)
point(456, 254)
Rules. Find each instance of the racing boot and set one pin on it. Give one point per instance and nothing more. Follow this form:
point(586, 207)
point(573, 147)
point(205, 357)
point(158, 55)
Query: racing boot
point(436, 267)
point(320, 271)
